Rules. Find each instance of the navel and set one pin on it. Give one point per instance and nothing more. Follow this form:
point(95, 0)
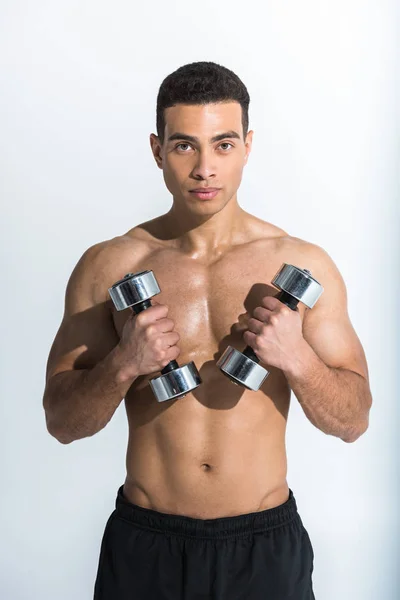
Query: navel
point(206, 467)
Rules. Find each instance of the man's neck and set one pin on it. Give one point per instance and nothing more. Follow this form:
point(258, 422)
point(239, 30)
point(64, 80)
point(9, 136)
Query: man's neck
point(205, 236)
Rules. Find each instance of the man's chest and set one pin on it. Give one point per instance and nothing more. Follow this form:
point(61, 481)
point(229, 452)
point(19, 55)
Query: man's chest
point(210, 304)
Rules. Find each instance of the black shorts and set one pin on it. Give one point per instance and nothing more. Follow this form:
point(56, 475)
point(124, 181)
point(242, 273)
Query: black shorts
point(148, 555)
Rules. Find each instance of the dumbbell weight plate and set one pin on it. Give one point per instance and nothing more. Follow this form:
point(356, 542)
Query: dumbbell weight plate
point(134, 288)
point(177, 383)
point(242, 370)
point(299, 283)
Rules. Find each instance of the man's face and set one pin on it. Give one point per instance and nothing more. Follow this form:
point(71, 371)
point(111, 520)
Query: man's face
point(189, 164)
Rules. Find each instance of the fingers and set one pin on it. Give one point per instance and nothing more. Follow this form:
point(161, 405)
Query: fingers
point(262, 314)
point(170, 339)
point(165, 325)
point(255, 326)
point(152, 314)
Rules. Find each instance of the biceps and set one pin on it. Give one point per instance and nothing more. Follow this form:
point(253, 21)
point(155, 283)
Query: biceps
point(336, 343)
point(82, 340)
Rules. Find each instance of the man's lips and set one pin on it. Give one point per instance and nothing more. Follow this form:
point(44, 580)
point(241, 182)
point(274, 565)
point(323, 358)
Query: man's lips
point(210, 189)
point(205, 193)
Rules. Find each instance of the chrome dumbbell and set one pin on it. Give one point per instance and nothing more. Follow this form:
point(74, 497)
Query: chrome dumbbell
point(135, 290)
point(296, 285)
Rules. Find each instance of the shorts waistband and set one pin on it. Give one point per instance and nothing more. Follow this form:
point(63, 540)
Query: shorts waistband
point(221, 527)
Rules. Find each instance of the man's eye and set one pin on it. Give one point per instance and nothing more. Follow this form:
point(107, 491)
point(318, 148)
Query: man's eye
point(223, 144)
point(182, 145)
point(226, 144)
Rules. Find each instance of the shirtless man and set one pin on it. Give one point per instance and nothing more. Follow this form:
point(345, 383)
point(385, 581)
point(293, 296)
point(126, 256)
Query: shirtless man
point(205, 510)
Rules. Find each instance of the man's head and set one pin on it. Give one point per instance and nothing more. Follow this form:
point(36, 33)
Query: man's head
point(196, 104)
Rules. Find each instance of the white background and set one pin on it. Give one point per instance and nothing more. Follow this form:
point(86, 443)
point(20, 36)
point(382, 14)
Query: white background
point(78, 87)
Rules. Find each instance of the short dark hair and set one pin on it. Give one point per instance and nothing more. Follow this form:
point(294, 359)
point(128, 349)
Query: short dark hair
point(201, 83)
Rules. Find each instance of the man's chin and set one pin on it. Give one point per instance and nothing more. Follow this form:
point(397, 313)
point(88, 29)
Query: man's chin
point(205, 207)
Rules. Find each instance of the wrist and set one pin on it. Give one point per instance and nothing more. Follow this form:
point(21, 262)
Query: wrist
point(125, 371)
point(301, 361)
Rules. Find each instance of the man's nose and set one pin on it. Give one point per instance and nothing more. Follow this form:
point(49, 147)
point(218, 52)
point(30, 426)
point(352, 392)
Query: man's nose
point(205, 166)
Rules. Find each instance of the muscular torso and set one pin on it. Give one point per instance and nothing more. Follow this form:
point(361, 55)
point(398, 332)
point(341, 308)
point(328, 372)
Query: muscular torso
point(219, 451)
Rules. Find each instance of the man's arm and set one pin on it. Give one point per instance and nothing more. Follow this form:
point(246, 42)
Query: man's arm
point(330, 374)
point(84, 386)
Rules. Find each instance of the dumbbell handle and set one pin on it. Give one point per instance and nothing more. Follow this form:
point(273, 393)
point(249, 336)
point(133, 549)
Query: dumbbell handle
point(287, 299)
point(137, 308)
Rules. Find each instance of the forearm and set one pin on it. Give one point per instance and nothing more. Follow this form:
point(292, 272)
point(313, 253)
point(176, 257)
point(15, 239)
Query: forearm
point(80, 403)
point(335, 400)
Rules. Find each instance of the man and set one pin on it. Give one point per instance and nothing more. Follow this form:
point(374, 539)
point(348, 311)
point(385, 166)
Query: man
point(205, 510)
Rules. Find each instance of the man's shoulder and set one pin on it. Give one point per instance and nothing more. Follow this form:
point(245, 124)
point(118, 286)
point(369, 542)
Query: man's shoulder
point(132, 245)
point(310, 250)
point(313, 257)
point(299, 252)
point(288, 243)
point(107, 261)
point(299, 246)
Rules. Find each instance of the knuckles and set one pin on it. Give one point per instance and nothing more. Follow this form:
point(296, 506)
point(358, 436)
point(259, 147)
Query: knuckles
point(150, 330)
point(274, 320)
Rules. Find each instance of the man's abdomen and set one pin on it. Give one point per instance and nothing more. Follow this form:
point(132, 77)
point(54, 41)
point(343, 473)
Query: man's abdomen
point(207, 456)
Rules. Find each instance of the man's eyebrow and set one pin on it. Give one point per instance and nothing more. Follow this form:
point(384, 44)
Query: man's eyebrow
point(191, 138)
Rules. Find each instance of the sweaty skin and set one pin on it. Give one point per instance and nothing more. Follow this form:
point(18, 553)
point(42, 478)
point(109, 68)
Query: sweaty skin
point(219, 451)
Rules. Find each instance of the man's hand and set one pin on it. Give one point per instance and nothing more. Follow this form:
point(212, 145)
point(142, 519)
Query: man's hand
point(275, 333)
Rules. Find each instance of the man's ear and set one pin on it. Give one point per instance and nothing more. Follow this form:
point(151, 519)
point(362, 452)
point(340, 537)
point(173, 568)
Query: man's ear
point(248, 144)
point(156, 148)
